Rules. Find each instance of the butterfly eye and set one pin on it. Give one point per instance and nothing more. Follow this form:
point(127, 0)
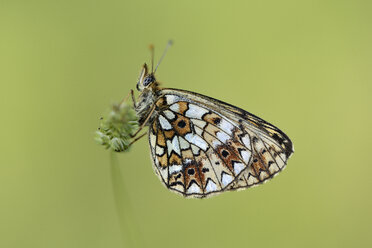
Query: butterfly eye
point(148, 80)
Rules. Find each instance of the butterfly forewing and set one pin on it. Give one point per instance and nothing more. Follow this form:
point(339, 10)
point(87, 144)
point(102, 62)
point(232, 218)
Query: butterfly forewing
point(201, 146)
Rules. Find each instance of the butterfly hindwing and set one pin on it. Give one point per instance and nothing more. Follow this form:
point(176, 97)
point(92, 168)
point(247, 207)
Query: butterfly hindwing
point(201, 146)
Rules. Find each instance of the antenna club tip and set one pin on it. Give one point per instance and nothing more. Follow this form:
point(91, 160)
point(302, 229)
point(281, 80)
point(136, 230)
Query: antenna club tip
point(151, 47)
point(170, 42)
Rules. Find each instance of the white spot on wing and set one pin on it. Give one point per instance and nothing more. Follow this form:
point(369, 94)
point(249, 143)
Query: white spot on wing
point(196, 140)
point(174, 145)
point(216, 143)
point(238, 167)
point(246, 155)
point(259, 145)
point(169, 114)
point(279, 162)
point(164, 123)
point(175, 107)
point(251, 180)
point(163, 172)
point(183, 143)
point(199, 131)
point(152, 139)
point(199, 123)
point(159, 151)
point(246, 141)
point(263, 175)
point(195, 150)
point(195, 111)
point(194, 188)
point(282, 156)
point(273, 168)
point(226, 179)
point(211, 186)
point(175, 168)
point(172, 99)
point(222, 136)
point(188, 161)
point(226, 126)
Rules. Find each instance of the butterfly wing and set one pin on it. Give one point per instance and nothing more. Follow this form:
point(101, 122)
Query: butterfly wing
point(201, 146)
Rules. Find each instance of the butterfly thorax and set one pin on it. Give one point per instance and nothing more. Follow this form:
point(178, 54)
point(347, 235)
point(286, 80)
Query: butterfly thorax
point(145, 103)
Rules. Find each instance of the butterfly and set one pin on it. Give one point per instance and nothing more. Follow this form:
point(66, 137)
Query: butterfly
point(201, 146)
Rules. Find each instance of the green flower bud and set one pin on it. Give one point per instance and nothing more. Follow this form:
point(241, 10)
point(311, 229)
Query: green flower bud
point(116, 129)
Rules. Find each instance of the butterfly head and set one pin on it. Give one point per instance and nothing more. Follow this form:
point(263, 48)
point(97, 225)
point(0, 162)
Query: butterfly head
point(146, 79)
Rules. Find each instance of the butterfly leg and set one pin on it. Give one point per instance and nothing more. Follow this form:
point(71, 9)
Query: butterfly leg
point(131, 93)
point(136, 139)
point(145, 122)
point(133, 98)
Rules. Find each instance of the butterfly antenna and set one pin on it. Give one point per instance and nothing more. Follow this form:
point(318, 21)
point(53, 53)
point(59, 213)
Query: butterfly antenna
point(152, 57)
point(170, 42)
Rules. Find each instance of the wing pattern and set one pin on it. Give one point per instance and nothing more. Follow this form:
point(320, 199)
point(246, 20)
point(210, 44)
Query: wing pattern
point(201, 146)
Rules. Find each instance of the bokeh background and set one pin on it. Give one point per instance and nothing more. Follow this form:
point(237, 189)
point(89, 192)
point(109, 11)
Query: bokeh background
point(305, 66)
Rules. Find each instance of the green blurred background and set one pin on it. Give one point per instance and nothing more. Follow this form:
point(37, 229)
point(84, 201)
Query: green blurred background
point(305, 66)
